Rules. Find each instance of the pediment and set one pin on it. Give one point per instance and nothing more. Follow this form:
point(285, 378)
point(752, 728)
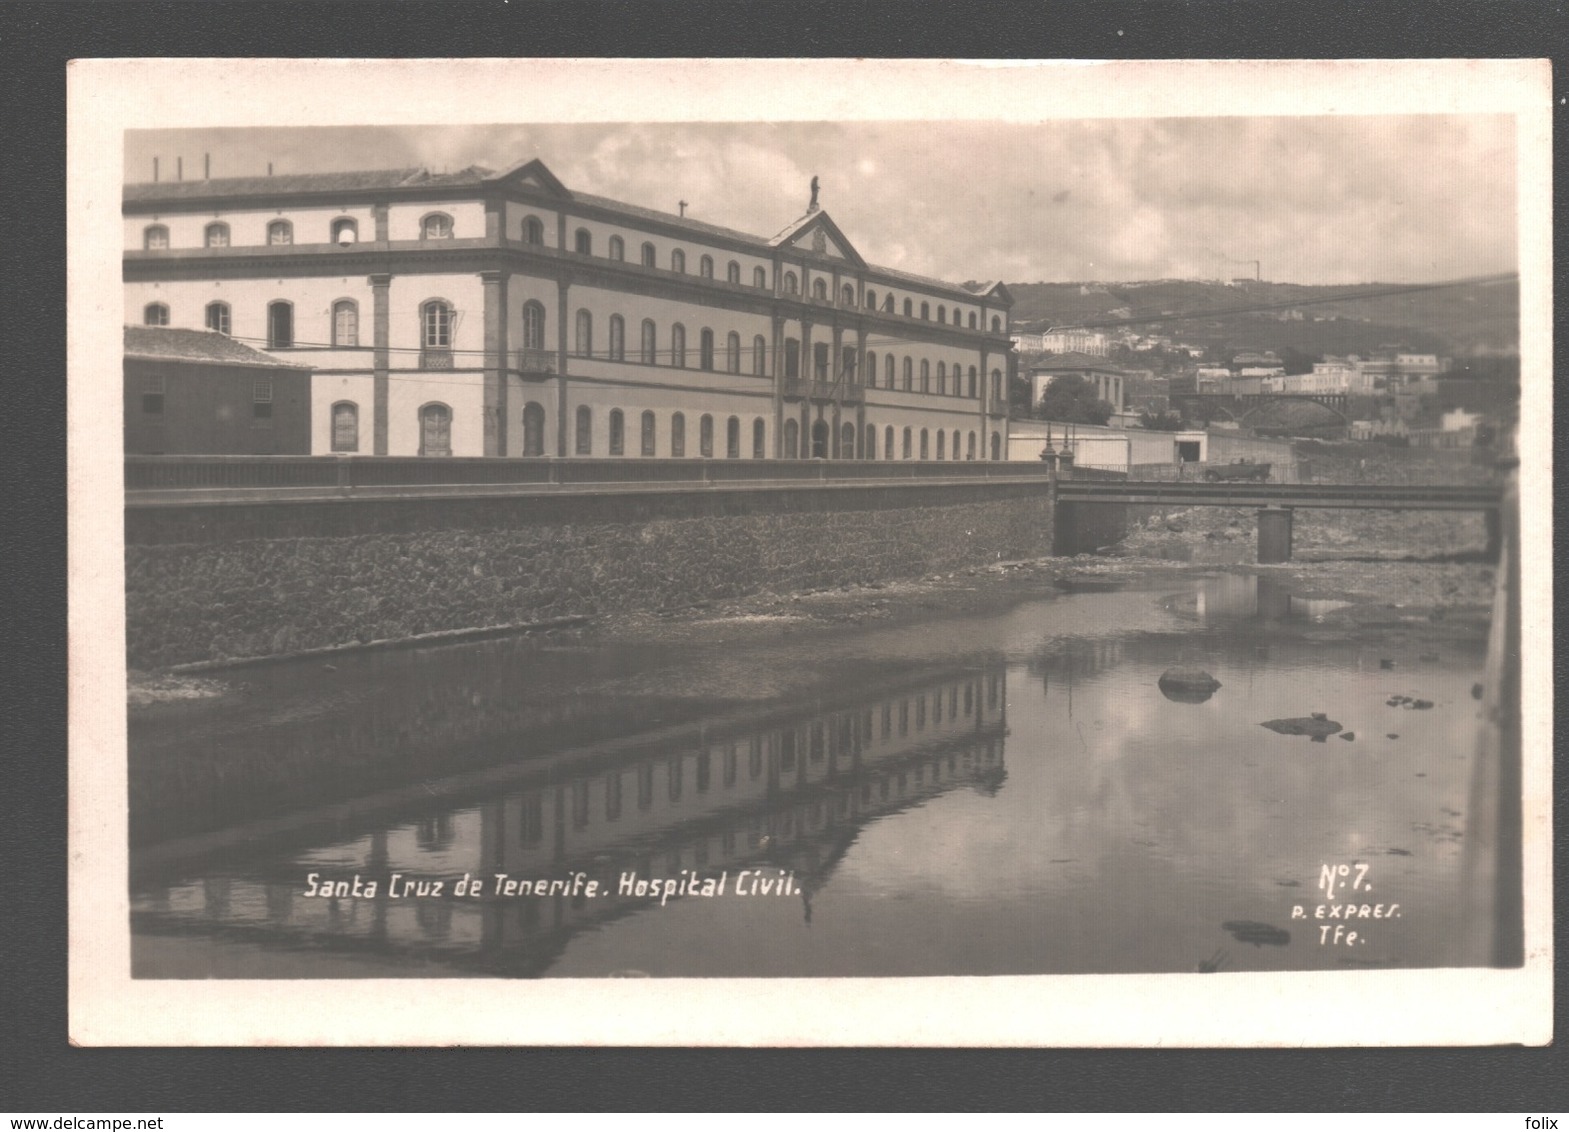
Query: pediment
point(532, 174)
point(817, 234)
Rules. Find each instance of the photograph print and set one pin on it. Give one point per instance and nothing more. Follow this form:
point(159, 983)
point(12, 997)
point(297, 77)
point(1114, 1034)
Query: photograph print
point(1078, 550)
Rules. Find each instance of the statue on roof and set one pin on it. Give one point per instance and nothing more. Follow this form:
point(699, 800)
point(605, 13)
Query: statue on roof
point(813, 206)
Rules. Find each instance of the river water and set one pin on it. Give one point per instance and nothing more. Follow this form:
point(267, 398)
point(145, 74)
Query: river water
point(1000, 793)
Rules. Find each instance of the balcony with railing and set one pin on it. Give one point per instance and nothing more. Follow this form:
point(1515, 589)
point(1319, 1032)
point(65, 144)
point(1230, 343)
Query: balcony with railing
point(821, 390)
point(535, 363)
point(435, 358)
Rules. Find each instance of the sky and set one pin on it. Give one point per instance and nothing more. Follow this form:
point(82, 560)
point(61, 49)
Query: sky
point(1317, 200)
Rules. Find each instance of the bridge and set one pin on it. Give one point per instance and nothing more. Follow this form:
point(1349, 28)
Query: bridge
point(1276, 501)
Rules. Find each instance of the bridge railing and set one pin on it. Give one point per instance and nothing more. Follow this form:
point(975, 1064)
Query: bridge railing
point(173, 473)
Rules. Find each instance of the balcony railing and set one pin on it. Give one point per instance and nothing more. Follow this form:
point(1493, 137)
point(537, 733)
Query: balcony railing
point(820, 390)
point(536, 363)
point(435, 359)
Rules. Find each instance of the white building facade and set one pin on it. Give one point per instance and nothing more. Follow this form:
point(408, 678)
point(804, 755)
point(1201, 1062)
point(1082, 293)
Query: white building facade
point(502, 314)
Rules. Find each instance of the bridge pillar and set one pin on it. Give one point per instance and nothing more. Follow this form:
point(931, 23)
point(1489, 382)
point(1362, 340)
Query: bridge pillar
point(1274, 535)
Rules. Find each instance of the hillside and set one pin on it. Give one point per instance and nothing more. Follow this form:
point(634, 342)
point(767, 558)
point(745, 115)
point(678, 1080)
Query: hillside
point(1465, 319)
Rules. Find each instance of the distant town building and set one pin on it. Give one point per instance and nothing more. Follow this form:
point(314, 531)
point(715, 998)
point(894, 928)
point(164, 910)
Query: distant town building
point(198, 392)
point(1075, 341)
point(1108, 380)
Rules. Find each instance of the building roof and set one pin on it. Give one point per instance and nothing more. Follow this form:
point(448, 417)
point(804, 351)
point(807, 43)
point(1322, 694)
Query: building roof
point(169, 344)
point(359, 181)
point(1074, 360)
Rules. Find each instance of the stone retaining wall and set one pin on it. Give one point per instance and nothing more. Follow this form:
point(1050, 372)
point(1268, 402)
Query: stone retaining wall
point(217, 582)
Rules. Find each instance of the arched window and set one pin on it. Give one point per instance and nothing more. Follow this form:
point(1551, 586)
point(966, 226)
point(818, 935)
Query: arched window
point(678, 261)
point(533, 230)
point(907, 443)
point(436, 334)
point(345, 230)
point(648, 255)
point(678, 346)
point(955, 444)
point(996, 446)
point(677, 434)
point(926, 313)
point(618, 433)
point(733, 438)
point(969, 446)
point(926, 376)
point(759, 357)
point(791, 287)
point(847, 441)
point(155, 237)
point(280, 232)
point(618, 338)
point(847, 295)
point(942, 378)
point(908, 307)
point(435, 430)
point(584, 343)
point(216, 235)
point(888, 371)
point(941, 437)
point(871, 443)
point(888, 443)
point(733, 352)
point(760, 278)
point(155, 314)
point(585, 431)
point(618, 248)
point(533, 429)
point(705, 349)
point(345, 427)
point(871, 300)
point(649, 343)
point(705, 267)
point(820, 289)
point(908, 370)
point(925, 451)
point(792, 439)
point(974, 386)
point(435, 226)
point(280, 325)
point(942, 313)
point(733, 272)
point(972, 320)
point(996, 386)
point(847, 359)
point(871, 369)
point(705, 437)
point(218, 317)
point(648, 437)
point(820, 437)
point(888, 304)
point(759, 439)
point(345, 323)
point(533, 325)
point(996, 324)
point(583, 242)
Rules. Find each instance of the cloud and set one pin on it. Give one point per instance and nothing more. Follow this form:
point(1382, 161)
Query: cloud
point(1316, 200)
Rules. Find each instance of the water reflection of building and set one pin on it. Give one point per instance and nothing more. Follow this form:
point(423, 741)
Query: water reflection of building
point(793, 796)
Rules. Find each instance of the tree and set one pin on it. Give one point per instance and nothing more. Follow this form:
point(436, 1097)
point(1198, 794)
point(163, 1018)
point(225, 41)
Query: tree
point(1072, 399)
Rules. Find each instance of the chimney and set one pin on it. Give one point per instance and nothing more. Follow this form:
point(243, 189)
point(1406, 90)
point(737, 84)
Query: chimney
point(206, 166)
point(155, 169)
point(269, 169)
point(179, 168)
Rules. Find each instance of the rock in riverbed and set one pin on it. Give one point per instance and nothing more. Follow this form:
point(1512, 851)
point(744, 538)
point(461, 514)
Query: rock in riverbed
point(1317, 727)
point(1187, 685)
